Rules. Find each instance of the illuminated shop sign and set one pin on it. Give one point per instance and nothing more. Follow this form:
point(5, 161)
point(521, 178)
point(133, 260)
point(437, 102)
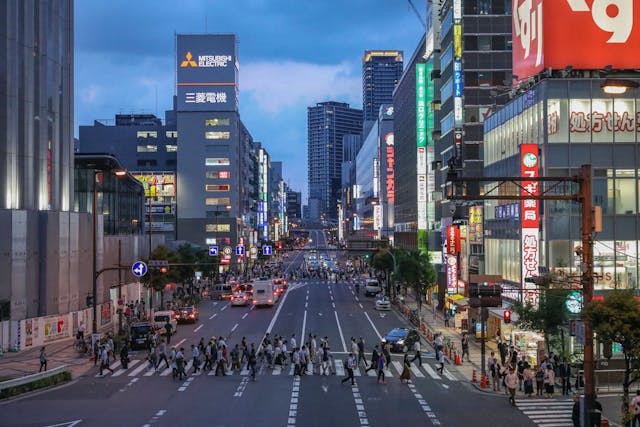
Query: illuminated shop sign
point(452, 274)
point(377, 217)
point(453, 240)
point(157, 185)
point(421, 163)
point(508, 211)
point(209, 61)
point(530, 241)
point(390, 177)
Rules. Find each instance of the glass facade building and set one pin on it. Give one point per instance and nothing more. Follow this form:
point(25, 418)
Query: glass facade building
point(573, 122)
point(381, 71)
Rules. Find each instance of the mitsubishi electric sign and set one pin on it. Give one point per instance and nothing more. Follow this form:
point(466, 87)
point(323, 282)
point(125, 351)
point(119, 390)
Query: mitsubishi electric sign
point(583, 34)
point(207, 70)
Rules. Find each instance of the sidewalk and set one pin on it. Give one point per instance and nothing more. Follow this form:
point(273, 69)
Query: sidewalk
point(59, 353)
point(434, 323)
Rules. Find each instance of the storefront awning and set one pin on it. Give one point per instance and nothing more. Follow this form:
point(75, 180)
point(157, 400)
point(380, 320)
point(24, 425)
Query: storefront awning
point(458, 300)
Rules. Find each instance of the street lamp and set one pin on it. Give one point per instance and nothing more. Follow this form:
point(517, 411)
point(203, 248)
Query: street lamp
point(97, 178)
point(217, 213)
point(618, 86)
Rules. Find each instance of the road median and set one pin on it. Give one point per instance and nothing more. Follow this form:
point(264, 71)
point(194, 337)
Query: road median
point(28, 383)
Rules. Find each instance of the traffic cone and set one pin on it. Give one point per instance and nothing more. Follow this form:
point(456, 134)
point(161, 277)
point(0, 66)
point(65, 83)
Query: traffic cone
point(446, 351)
point(483, 382)
point(474, 378)
point(457, 358)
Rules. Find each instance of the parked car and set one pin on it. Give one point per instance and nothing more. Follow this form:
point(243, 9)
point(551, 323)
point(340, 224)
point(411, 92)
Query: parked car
point(401, 339)
point(187, 314)
point(383, 303)
point(239, 299)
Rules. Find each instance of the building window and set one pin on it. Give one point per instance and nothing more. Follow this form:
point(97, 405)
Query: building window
point(147, 134)
point(217, 228)
point(210, 188)
point(147, 148)
point(217, 135)
point(171, 162)
point(218, 174)
point(216, 161)
point(171, 148)
point(171, 134)
point(217, 201)
point(216, 122)
point(144, 162)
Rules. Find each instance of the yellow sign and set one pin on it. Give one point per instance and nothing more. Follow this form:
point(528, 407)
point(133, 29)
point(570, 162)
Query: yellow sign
point(457, 40)
point(188, 62)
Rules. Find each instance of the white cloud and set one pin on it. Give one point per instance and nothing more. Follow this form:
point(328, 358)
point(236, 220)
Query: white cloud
point(277, 86)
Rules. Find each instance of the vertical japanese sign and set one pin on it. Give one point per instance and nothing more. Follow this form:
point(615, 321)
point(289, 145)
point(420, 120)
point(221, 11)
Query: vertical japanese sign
point(453, 240)
point(452, 274)
point(530, 239)
point(421, 165)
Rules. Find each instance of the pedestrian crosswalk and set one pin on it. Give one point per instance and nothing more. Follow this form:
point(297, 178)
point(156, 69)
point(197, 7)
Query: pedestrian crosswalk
point(142, 368)
point(547, 412)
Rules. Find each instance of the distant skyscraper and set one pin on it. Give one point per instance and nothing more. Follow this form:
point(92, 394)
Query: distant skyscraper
point(381, 70)
point(327, 123)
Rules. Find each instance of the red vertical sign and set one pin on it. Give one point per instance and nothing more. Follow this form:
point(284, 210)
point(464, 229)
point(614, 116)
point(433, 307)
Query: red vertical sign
point(530, 239)
point(453, 240)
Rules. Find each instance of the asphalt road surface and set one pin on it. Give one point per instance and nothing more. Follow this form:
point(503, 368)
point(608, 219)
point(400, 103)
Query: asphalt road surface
point(138, 396)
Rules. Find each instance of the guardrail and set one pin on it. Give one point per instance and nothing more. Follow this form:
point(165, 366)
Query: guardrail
point(607, 380)
point(33, 377)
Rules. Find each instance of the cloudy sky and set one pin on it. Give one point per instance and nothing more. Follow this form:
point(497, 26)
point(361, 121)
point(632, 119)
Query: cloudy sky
point(292, 53)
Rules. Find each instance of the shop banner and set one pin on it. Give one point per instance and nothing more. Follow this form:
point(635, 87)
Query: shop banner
point(452, 274)
point(530, 245)
point(453, 240)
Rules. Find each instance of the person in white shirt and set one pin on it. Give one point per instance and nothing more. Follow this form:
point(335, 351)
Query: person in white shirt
point(417, 355)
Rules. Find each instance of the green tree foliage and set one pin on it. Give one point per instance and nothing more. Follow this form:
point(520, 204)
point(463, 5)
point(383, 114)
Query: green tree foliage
point(415, 270)
point(549, 315)
point(617, 319)
point(186, 254)
point(157, 280)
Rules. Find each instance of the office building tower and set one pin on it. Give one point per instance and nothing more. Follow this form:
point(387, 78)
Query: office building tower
point(381, 71)
point(327, 123)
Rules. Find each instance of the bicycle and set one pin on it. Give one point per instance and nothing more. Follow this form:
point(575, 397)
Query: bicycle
point(81, 346)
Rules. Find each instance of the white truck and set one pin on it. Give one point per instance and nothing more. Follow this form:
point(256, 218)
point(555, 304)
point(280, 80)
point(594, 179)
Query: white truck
point(263, 292)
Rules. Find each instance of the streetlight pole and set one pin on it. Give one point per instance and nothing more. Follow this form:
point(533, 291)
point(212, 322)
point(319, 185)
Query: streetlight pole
point(96, 175)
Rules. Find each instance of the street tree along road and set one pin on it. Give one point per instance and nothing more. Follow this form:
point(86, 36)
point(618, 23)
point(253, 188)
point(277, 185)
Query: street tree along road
point(140, 397)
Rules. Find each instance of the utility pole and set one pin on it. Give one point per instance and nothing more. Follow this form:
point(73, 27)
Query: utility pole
point(584, 197)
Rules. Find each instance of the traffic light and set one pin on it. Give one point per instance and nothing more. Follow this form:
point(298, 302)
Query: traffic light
point(506, 316)
point(89, 301)
point(163, 270)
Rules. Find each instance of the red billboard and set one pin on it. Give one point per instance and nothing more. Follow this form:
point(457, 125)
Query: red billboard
point(585, 34)
point(453, 240)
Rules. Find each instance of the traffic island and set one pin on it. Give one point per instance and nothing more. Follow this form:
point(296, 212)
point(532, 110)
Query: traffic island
point(29, 383)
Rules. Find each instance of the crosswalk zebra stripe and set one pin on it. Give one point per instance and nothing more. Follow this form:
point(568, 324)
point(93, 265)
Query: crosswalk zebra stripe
point(416, 372)
point(122, 370)
point(547, 413)
point(339, 368)
point(431, 372)
point(397, 365)
point(448, 375)
point(139, 369)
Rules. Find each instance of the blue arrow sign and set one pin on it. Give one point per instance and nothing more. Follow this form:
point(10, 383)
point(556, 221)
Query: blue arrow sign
point(139, 269)
point(213, 251)
point(240, 250)
point(266, 250)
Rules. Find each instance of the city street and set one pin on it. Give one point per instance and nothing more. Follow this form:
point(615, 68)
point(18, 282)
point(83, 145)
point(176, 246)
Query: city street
point(139, 396)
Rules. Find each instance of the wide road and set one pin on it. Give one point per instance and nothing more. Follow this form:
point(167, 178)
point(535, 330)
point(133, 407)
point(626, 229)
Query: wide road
point(138, 396)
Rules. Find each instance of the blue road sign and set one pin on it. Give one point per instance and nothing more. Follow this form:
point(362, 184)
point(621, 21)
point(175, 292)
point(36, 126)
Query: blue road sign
point(213, 251)
point(266, 250)
point(139, 269)
point(240, 250)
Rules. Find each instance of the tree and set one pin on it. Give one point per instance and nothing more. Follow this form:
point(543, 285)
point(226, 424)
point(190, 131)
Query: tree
point(186, 254)
point(157, 280)
point(617, 319)
point(383, 260)
point(549, 315)
point(415, 270)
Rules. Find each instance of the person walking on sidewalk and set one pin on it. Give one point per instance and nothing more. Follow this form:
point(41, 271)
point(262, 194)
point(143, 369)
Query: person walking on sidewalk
point(43, 359)
point(495, 375)
point(511, 382)
point(465, 346)
point(417, 355)
point(446, 318)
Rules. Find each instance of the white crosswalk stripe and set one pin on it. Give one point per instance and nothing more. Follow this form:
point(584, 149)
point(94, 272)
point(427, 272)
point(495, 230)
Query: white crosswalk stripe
point(139, 367)
point(547, 413)
point(106, 371)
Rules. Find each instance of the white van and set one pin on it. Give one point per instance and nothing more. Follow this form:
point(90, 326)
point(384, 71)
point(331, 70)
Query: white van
point(372, 287)
point(263, 292)
point(160, 318)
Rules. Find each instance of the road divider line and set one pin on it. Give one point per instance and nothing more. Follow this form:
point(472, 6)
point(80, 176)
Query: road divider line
point(344, 345)
point(360, 304)
point(179, 342)
point(306, 304)
point(234, 327)
point(245, 315)
point(304, 324)
point(214, 315)
point(223, 308)
point(198, 328)
point(373, 326)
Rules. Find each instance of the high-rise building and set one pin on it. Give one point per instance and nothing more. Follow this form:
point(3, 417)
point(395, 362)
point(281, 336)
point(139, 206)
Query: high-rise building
point(213, 155)
point(381, 71)
point(327, 123)
point(40, 248)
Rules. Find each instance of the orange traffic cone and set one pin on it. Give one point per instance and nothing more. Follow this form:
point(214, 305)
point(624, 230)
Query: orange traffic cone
point(446, 351)
point(474, 378)
point(457, 359)
point(483, 382)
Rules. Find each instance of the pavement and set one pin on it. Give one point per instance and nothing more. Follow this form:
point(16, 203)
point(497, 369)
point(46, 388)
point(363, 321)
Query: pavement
point(434, 322)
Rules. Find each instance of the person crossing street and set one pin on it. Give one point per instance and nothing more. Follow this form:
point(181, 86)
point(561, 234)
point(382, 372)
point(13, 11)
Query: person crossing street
point(350, 366)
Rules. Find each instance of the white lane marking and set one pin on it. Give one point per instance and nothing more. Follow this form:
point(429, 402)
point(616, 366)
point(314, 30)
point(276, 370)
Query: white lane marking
point(417, 371)
point(431, 372)
point(198, 328)
point(306, 304)
point(273, 321)
point(304, 324)
point(214, 315)
point(180, 342)
point(241, 387)
point(445, 386)
point(224, 308)
point(333, 304)
point(339, 367)
point(245, 315)
point(119, 372)
point(234, 327)
point(361, 306)
point(139, 369)
point(344, 345)
point(67, 424)
point(373, 326)
point(331, 297)
point(396, 364)
point(357, 299)
point(449, 375)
